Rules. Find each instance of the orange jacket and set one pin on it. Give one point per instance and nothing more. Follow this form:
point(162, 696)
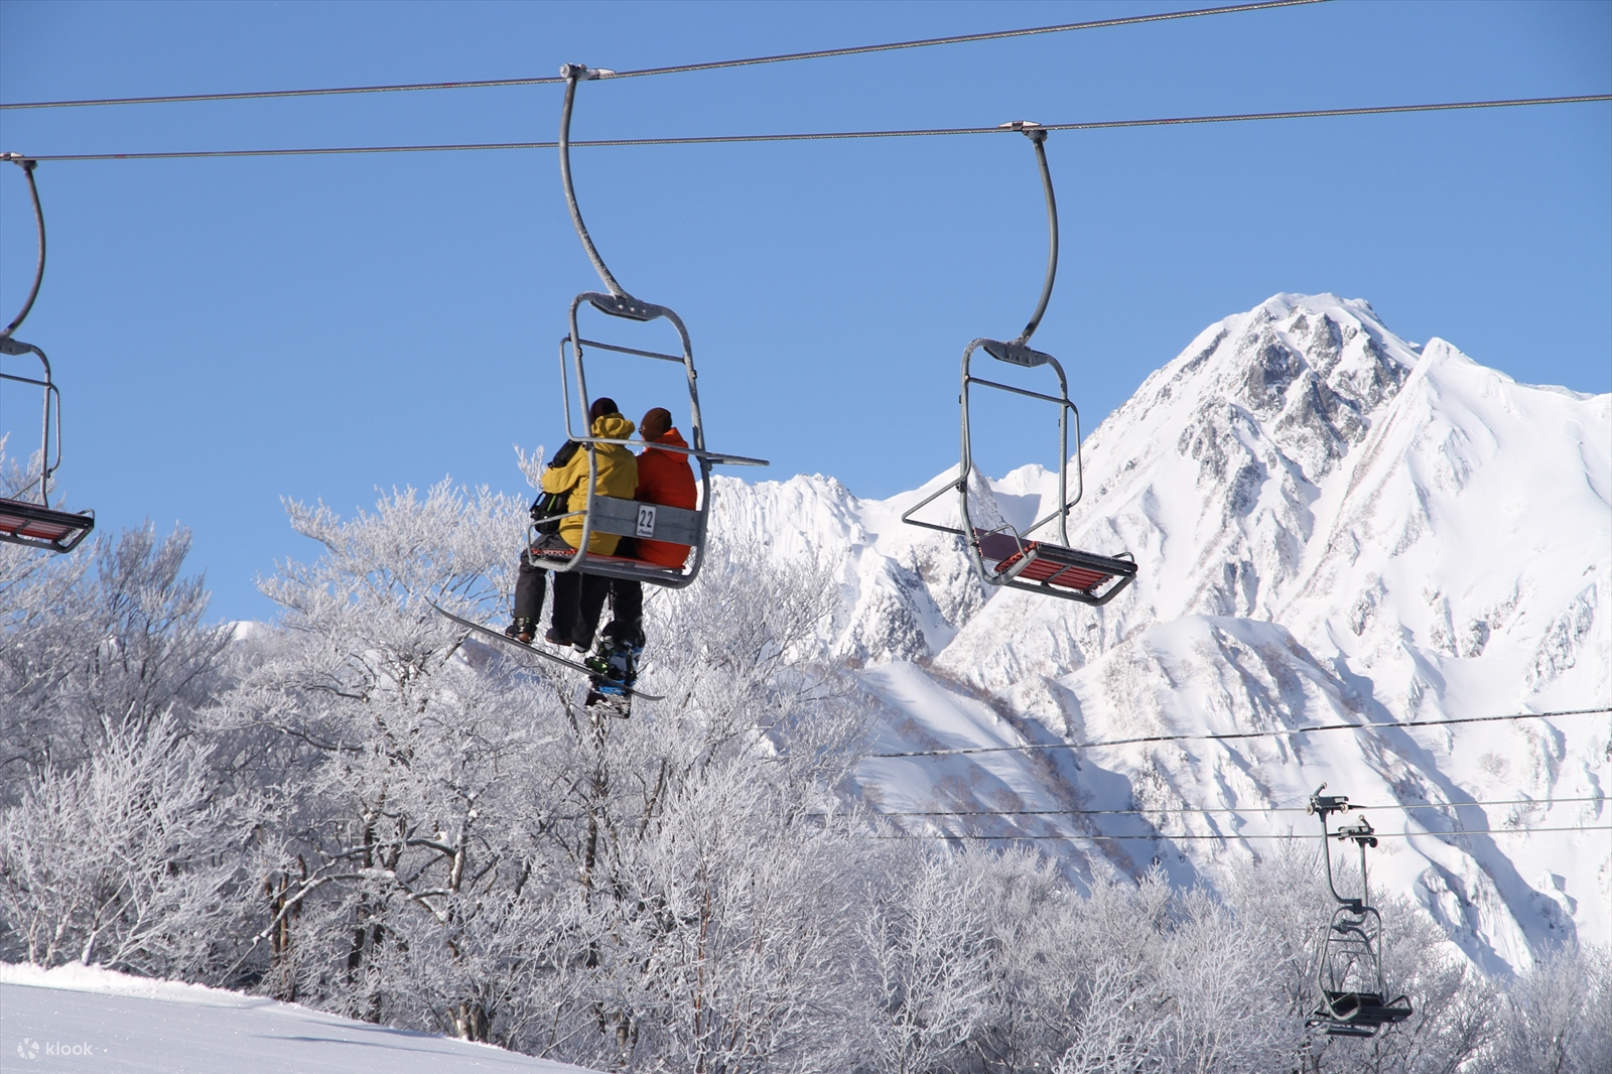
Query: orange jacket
point(665, 477)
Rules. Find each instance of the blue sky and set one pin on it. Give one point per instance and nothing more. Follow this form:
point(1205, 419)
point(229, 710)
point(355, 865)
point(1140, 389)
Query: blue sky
point(228, 332)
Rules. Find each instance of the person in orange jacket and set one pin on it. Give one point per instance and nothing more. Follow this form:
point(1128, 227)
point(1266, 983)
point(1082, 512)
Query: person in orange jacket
point(664, 477)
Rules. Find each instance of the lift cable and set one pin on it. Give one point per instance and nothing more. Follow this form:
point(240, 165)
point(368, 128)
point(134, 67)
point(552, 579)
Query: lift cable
point(1405, 806)
point(736, 139)
point(1228, 735)
point(713, 65)
point(1192, 836)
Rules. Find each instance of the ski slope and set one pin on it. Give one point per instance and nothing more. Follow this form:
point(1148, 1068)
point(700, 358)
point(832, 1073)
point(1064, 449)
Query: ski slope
point(82, 1018)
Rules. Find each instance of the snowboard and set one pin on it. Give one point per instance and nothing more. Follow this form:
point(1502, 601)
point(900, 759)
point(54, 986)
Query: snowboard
point(603, 689)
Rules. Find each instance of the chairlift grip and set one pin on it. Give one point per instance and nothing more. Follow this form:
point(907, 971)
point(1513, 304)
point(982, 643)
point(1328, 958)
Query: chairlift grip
point(1016, 354)
point(1327, 803)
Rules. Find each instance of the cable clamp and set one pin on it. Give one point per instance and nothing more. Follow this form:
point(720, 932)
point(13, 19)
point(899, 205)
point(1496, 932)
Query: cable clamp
point(1027, 127)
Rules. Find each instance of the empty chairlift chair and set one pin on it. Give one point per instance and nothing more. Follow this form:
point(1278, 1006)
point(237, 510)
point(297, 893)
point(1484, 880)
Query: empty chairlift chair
point(1038, 558)
point(26, 517)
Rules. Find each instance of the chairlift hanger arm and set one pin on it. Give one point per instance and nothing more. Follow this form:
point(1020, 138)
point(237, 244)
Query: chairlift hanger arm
point(1038, 138)
point(28, 165)
point(1014, 352)
point(619, 302)
point(1361, 833)
point(573, 344)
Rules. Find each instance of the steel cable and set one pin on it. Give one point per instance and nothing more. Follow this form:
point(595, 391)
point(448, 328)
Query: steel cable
point(738, 139)
point(1232, 735)
point(713, 65)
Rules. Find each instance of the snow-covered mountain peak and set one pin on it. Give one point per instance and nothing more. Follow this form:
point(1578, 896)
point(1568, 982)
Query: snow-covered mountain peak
point(1331, 523)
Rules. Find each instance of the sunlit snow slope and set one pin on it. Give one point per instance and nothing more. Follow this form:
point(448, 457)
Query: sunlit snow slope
point(1332, 525)
point(84, 1018)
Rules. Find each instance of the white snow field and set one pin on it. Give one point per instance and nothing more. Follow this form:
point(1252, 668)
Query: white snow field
point(82, 1019)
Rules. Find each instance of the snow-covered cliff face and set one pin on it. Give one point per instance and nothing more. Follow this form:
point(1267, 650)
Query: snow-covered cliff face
point(1332, 524)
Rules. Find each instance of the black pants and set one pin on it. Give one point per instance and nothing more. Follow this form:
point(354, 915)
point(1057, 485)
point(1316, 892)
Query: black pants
point(626, 597)
point(578, 599)
point(626, 602)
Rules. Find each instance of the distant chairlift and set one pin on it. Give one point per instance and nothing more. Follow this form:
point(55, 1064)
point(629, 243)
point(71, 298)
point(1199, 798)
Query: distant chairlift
point(1001, 554)
point(32, 521)
point(1348, 958)
point(608, 514)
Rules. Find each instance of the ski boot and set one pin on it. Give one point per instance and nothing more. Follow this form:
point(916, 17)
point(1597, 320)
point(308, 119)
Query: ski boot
point(613, 666)
point(629, 636)
point(613, 672)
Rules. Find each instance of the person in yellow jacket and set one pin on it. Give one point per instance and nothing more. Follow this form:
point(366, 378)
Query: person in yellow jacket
point(578, 596)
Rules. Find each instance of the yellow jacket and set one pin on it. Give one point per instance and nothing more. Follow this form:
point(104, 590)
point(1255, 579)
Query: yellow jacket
point(618, 476)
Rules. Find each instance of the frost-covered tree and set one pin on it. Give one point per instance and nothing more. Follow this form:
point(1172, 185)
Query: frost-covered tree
point(1129, 975)
point(129, 860)
point(391, 751)
point(121, 842)
point(711, 890)
point(928, 932)
point(1556, 1018)
point(109, 637)
point(465, 846)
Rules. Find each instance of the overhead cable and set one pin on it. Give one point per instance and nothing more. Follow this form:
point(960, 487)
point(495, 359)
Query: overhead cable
point(1191, 836)
point(1353, 808)
point(1028, 747)
point(827, 136)
point(713, 65)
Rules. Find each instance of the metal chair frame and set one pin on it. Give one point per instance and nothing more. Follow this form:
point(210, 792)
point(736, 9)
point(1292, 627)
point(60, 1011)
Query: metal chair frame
point(1018, 352)
point(23, 521)
point(650, 521)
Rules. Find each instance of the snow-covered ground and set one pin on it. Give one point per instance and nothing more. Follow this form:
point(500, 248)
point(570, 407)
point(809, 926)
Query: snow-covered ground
point(81, 1018)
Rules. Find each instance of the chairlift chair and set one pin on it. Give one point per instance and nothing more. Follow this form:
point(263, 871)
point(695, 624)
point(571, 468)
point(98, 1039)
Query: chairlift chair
point(1348, 958)
point(610, 514)
point(32, 521)
point(1002, 554)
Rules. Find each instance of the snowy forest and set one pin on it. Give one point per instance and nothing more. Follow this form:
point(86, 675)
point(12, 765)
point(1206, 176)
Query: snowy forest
point(357, 809)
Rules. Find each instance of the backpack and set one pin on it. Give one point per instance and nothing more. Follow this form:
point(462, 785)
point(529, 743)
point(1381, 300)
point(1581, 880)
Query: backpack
point(547, 510)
